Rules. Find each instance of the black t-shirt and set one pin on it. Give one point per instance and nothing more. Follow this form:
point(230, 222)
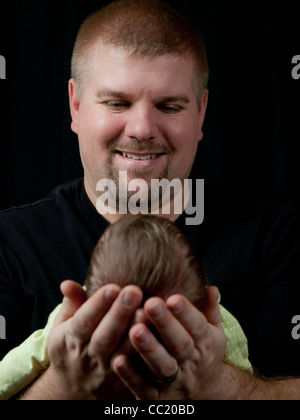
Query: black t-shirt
point(250, 251)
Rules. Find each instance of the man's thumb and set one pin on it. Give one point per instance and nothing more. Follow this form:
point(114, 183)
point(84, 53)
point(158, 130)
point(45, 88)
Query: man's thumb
point(74, 297)
point(211, 308)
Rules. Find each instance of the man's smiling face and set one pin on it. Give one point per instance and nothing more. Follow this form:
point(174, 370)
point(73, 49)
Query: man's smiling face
point(139, 115)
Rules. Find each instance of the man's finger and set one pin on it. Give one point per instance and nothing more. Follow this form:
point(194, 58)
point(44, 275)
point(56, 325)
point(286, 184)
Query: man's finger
point(194, 321)
point(135, 381)
point(159, 360)
point(172, 332)
point(125, 346)
point(115, 323)
point(88, 316)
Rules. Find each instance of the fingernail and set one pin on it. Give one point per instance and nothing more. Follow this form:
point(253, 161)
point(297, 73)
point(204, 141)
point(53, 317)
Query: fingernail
point(110, 294)
point(139, 317)
point(142, 336)
point(176, 306)
point(130, 299)
point(157, 310)
point(121, 363)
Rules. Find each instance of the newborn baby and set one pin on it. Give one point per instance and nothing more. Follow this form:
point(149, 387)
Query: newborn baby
point(147, 251)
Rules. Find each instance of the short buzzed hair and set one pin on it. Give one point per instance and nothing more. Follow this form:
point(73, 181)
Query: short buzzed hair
point(150, 252)
point(145, 28)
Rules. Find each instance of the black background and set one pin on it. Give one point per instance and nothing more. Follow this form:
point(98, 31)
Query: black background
point(252, 129)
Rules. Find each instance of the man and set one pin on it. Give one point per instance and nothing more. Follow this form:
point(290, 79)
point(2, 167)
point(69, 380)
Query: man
point(138, 99)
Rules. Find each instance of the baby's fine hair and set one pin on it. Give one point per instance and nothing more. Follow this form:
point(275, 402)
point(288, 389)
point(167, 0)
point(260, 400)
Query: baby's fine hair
point(150, 252)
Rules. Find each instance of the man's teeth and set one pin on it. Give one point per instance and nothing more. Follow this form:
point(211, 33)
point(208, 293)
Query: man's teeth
point(146, 157)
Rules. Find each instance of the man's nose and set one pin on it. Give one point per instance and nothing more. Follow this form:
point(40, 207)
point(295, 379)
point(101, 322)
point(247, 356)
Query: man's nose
point(141, 124)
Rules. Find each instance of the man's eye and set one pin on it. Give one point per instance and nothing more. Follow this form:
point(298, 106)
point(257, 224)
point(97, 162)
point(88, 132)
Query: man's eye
point(116, 105)
point(170, 109)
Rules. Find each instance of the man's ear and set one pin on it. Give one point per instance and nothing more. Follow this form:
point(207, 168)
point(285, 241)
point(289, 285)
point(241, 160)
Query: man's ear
point(202, 112)
point(74, 104)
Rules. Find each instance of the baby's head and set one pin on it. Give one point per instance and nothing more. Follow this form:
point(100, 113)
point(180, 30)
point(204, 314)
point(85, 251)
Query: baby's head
point(150, 252)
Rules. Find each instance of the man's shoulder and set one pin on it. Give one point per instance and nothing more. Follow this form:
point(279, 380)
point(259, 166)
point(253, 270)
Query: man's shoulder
point(60, 197)
point(23, 225)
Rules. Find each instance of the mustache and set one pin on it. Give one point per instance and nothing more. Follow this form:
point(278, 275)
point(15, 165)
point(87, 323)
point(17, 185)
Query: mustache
point(138, 146)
